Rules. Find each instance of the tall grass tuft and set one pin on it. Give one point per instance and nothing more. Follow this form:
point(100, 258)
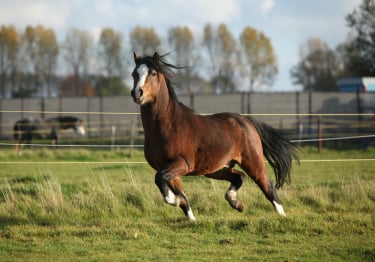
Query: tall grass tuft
point(49, 196)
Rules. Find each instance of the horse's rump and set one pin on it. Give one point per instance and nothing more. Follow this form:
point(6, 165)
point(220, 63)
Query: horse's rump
point(25, 128)
point(277, 149)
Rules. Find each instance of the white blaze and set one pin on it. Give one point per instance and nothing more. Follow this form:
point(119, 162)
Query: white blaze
point(142, 73)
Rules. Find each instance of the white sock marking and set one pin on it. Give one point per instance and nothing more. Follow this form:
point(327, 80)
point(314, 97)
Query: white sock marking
point(279, 208)
point(171, 198)
point(190, 215)
point(232, 194)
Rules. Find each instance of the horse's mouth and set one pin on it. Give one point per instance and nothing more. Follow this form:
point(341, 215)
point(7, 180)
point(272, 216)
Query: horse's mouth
point(138, 100)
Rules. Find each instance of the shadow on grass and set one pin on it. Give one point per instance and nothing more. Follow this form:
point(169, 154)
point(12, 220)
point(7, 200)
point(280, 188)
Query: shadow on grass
point(12, 221)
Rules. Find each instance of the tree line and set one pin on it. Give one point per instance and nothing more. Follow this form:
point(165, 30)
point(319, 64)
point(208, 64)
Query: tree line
point(33, 59)
point(319, 66)
point(33, 62)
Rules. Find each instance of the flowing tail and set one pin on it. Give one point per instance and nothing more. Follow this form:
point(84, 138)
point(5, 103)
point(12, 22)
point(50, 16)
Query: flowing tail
point(278, 150)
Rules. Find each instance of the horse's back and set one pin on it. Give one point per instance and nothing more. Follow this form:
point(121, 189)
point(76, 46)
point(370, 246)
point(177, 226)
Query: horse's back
point(220, 139)
point(63, 122)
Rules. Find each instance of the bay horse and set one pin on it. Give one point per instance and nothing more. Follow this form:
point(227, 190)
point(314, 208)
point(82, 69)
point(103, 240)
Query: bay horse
point(179, 142)
point(28, 128)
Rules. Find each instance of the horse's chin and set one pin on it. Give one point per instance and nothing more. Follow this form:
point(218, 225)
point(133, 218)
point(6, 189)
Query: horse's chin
point(141, 101)
point(137, 100)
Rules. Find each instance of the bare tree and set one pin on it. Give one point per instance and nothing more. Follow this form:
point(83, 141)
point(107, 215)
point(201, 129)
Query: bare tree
point(317, 68)
point(41, 51)
point(220, 46)
point(78, 47)
point(258, 58)
point(144, 40)
point(110, 57)
point(361, 49)
point(9, 48)
point(181, 40)
point(50, 55)
point(109, 51)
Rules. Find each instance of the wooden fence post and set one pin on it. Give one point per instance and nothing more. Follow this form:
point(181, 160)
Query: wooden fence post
point(132, 131)
point(60, 105)
point(88, 116)
point(298, 119)
point(42, 108)
point(1, 118)
point(248, 102)
point(113, 137)
point(320, 141)
point(192, 101)
point(101, 115)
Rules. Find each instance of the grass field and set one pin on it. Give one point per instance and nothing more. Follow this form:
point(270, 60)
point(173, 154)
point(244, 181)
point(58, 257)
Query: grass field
point(69, 205)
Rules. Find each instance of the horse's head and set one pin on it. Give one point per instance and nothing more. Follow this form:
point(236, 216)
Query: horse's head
point(146, 79)
point(80, 128)
point(150, 75)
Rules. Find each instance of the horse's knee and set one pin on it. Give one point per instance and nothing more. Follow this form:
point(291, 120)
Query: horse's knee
point(164, 185)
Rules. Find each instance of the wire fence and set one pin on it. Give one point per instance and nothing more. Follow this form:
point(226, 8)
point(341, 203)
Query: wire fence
point(141, 146)
point(127, 133)
point(144, 162)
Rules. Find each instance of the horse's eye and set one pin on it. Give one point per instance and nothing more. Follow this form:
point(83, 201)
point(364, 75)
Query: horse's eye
point(153, 73)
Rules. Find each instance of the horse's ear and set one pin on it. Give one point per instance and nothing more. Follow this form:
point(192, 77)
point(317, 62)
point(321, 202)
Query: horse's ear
point(156, 56)
point(136, 57)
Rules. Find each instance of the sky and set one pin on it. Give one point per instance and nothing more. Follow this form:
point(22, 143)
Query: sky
point(288, 23)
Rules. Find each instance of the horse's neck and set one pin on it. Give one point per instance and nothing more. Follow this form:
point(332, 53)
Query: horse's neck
point(158, 114)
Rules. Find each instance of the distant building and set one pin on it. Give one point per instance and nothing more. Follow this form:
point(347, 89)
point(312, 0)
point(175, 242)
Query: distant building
point(360, 84)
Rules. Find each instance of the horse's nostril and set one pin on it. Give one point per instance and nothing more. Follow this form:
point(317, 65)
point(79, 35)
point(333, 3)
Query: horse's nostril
point(136, 93)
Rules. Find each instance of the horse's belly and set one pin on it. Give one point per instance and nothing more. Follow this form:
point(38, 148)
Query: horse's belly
point(209, 162)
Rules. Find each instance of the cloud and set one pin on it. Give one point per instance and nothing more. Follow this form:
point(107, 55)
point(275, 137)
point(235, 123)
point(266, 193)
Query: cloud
point(194, 13)
point(22, 13)
point(266, 6)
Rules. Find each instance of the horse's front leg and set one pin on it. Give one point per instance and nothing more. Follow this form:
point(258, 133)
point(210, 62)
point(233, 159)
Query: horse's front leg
point(171, 187)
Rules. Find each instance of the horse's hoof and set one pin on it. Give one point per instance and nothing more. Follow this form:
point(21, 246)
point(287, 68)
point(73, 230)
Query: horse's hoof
point(236, 204)
point(240, 206)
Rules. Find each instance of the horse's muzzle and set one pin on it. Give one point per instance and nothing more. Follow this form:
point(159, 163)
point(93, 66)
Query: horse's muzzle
point(137, 94)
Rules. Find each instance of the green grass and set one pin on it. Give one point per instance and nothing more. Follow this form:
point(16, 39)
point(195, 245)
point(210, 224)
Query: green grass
point(93, 210)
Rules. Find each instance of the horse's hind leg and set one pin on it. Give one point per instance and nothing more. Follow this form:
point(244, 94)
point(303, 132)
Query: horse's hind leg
point(257, 171)
point(235, 178)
